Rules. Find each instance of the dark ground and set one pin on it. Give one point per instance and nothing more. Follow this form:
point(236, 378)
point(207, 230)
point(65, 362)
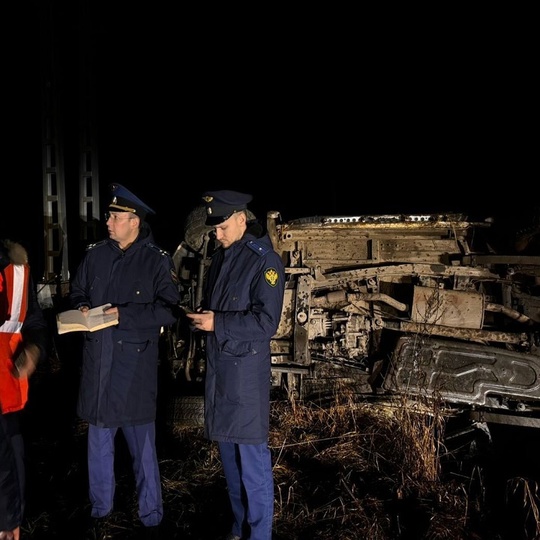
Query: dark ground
point(57, 501)
point(340, 478)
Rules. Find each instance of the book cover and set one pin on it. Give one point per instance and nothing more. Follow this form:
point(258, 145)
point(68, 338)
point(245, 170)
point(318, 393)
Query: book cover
point(74, 320)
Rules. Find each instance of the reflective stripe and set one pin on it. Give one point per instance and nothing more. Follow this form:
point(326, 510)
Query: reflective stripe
point(11, 327)
point(14, 283)
point(18, 289)
point(18, 294)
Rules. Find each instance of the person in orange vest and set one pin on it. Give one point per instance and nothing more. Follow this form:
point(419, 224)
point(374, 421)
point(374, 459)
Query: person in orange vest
point(24, 341)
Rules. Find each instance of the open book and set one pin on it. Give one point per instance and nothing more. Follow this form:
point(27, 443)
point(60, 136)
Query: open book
point(74, 320)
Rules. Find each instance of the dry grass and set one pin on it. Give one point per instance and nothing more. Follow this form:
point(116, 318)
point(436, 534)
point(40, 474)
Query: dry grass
point(370, 472)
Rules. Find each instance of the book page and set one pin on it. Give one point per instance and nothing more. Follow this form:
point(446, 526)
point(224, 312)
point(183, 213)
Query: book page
point(74, 320)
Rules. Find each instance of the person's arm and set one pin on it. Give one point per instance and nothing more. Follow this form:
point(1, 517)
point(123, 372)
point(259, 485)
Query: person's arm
point(261, 321)
point(78, 296)
point(35, 334)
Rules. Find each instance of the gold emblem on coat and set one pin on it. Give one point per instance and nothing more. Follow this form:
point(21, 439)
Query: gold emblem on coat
point(271, 276)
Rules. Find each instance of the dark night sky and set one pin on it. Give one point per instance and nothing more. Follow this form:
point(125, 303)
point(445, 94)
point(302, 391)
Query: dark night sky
point(311, 120)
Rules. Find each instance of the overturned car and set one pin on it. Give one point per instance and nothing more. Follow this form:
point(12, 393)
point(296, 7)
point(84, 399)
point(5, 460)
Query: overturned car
point(421, 306)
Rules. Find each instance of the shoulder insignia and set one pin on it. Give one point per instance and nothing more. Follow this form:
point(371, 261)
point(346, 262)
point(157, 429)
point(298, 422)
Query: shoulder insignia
point(271, 276)
point(95, 245)
point(257, 248)
point(158, 249)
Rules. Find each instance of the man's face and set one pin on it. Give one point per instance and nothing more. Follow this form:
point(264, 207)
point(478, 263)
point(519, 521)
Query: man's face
point(231, 230)
point(122, 226)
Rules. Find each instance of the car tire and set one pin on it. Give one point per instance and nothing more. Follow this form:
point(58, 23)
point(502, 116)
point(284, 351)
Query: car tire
point(186, 411)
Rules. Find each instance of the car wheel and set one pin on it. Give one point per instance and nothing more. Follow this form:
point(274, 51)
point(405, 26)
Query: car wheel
point(186, 411)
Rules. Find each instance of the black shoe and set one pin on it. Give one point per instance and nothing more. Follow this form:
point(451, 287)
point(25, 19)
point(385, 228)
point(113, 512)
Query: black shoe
point(150, 533)
point(97, 529)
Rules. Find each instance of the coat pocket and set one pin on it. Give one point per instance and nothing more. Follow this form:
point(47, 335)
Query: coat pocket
point(239, 349)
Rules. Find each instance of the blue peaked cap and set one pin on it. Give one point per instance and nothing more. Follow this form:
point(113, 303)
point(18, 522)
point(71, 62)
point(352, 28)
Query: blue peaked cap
point(221, 205)
point(125, 201)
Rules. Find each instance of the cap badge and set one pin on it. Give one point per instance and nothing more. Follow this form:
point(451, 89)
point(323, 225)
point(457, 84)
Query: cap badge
point(208, 198)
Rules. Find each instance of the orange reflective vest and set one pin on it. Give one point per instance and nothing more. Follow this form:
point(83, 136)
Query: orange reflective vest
point(14, 284)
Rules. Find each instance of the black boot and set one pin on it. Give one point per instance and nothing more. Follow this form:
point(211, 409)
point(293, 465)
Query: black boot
point(97, 529)
point(150, 533)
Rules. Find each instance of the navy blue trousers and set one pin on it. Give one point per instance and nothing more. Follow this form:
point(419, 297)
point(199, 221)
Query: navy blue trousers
point(248, 472)
point(102, 483)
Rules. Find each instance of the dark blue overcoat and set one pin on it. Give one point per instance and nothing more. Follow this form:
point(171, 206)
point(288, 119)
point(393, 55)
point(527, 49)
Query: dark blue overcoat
point(245, 290)
point(118, 385)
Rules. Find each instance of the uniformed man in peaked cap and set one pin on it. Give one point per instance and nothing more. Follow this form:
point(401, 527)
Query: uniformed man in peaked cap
point(240, 313)
point(118, 386)
point(221, 205)
point(125, 201)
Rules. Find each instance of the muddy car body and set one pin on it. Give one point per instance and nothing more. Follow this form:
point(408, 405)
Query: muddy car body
point(420, 306)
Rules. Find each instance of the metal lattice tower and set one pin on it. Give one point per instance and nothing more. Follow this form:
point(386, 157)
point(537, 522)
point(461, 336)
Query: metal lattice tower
point(57, 104)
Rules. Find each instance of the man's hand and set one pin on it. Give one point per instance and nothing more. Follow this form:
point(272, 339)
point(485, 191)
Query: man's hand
point(114, 310)
point(27, 361)
point(202, 320)
point(85, 309)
